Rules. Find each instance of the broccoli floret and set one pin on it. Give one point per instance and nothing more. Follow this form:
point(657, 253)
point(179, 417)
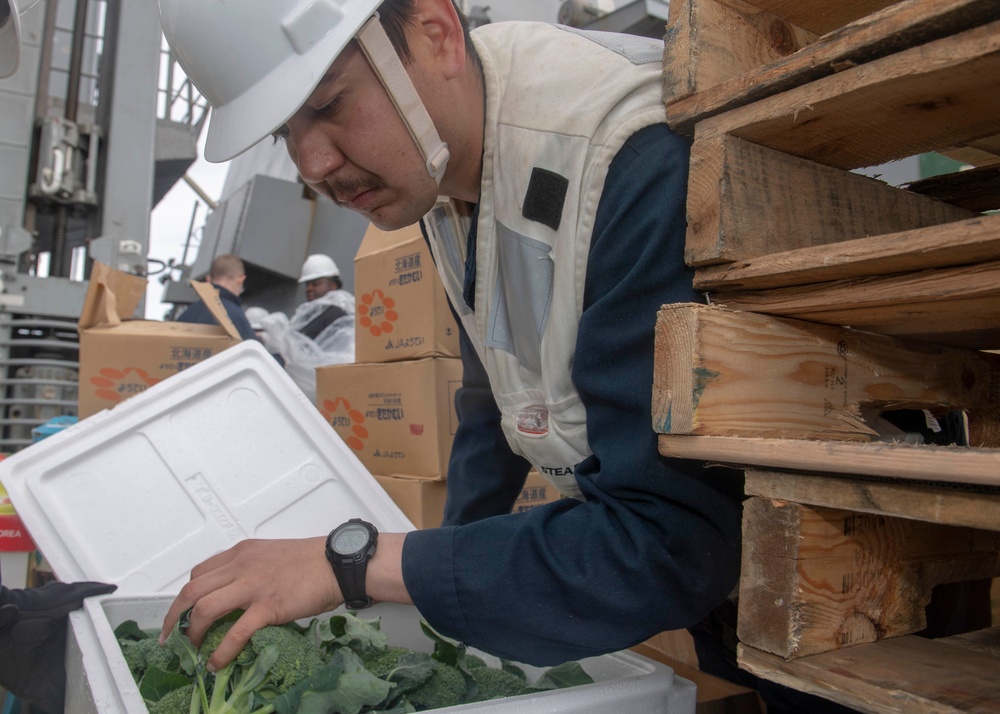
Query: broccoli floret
point(496, 683)
point(473, 661)
point(299, 658)
point(446, 687)
point(140, 655)
point(382, 662)
point(177, 701)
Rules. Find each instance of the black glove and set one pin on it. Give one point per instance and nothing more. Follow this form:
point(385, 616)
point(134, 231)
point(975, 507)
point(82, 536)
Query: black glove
point(33, 640)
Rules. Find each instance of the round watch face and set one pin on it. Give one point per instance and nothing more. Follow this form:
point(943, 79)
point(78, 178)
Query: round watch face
point(350, 539)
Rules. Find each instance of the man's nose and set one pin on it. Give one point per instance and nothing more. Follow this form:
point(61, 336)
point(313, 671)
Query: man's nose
point(314, 152)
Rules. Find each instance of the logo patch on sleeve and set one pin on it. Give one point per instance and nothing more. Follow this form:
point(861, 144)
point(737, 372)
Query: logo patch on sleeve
point(545, 198)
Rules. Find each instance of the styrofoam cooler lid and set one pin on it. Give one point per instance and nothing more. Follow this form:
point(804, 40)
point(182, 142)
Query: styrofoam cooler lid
point(226, 450)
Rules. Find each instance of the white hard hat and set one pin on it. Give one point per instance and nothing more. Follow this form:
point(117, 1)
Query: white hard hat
point(318, 266)
point(257, 61)
point(10, 38)
point(255, 316)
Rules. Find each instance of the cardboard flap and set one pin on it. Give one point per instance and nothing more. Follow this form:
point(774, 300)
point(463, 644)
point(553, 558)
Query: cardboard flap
point(112, 296)
point(210, 294)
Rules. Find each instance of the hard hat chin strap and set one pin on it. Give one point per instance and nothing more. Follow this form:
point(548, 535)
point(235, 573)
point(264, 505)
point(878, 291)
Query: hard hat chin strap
point(387, 65)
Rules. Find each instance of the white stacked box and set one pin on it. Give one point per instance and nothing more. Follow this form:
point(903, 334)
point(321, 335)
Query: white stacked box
point(227, 450)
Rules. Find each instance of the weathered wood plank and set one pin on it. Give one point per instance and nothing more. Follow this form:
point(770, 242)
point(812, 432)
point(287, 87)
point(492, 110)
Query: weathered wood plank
point(902, 675)
point(822, 16)
point(919, 501)
point(977, 189)
point(723, 373)
point(893, 29)
point(930, 97)
point(710, 41)
point(745, 201)
point(975, 240)
point(949, 464)
point(816, 579)
point(950, 306)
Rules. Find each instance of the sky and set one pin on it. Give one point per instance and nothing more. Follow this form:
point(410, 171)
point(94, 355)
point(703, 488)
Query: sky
point(170, 220)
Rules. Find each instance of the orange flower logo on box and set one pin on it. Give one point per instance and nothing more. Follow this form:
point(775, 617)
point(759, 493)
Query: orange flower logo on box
point(348, 422)
point(114, 385)
point(376, 314)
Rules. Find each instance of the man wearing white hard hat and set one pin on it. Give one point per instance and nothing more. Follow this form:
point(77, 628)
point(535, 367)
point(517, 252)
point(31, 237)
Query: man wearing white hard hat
point(326, 299)
point(558, 140)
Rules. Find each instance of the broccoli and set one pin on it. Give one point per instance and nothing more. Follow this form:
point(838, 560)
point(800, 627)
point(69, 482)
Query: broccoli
point(342, 664)
point(446, 687)
point(299, 658)
point(176, 701)
point(496, 683)
point(381, 663)
point(141, 655)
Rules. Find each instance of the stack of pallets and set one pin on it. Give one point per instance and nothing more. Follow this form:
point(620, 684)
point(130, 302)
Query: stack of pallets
point(835, 299)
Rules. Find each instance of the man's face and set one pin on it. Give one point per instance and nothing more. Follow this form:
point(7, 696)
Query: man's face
point(350, 144)
point(319, 287)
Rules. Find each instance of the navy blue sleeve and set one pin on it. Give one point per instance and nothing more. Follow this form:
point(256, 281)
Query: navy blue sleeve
point(654, 545)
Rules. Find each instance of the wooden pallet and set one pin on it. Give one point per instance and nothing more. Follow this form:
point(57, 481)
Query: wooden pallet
point(918, 261)
point(836, 575)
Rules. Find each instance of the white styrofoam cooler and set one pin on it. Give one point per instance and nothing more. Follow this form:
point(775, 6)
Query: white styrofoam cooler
point(226, 450)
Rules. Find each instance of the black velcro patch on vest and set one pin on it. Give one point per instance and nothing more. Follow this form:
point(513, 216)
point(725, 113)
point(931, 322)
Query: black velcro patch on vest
point(545, 197)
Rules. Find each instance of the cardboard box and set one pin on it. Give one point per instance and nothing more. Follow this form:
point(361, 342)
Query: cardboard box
point(423, 501)
point(399, 417)
point(120, 357)
point(402, 311)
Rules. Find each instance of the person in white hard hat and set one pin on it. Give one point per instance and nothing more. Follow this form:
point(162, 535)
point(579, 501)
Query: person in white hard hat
point(326, 299)
point(558, 139)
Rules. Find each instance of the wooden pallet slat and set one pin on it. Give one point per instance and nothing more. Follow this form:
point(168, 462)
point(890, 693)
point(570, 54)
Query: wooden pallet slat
point(904, 674)
point(707, 42)
point(968, 465)
point(930, 97)
point(977, 189)
point(719, 372)
point(745, 201)
point(955, 505)
point(966, 242)
point(897, 27)
point(949, 306)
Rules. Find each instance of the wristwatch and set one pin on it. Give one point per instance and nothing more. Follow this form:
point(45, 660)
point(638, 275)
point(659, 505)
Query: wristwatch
point(349, 547)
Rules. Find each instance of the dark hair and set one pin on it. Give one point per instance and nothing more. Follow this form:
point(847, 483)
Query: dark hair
point(395, 15)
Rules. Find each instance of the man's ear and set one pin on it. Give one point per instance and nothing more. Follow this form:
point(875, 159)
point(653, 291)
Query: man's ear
point(439, 31)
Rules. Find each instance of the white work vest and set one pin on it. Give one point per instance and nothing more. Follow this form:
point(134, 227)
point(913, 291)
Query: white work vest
point(559, 105)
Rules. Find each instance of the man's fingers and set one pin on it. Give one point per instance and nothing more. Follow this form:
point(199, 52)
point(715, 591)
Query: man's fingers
point(235, 640)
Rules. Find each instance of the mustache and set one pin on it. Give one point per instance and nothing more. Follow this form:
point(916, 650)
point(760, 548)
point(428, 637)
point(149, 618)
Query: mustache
point(352, 187)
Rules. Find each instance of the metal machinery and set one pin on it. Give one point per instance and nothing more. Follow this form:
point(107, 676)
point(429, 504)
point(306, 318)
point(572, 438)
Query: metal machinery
point(88, 144)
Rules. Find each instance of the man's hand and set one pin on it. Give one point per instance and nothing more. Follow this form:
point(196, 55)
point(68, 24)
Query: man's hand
point(33, 640)
point(275, 582)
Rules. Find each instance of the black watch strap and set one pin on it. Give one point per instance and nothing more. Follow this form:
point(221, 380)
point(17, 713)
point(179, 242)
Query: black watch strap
point(351, 571)
point(351, 578)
